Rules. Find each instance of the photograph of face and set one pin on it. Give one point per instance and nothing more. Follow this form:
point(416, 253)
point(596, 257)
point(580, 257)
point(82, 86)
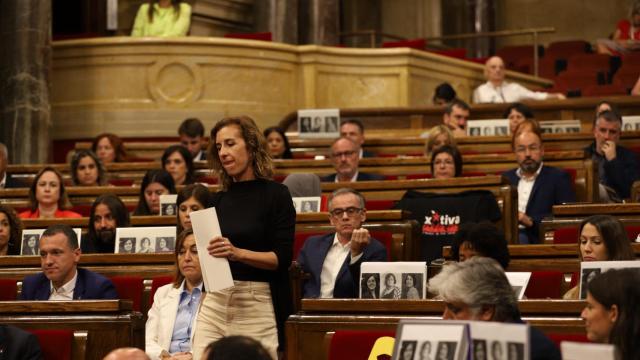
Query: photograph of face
point(318, 124)
point(501, 130)
point(168, 209)
point(515, 351)
point(487, 130)
point(638, 126)
point(587, 276)
point(496, 351)
point(546, 130)
point(127, 245)
point(145, 246)
point(309, 206)
point(165, 244)
point(305, 124)
point(30, 244)
point(390, 289)
point(425, 351)
point(628, 127)
point(370, 285)
point(573, 129)
point(479, 350)
point(407, 350)
point(474, 131)
point(559, 130)
point(446, 350)
point(331, 124)
point(412, 286)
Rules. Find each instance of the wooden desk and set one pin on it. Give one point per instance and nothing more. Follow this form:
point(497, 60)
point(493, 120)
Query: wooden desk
point(108, 324)
point(306, 330)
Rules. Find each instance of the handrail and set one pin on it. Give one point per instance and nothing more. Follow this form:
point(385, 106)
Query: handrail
point(500, 33)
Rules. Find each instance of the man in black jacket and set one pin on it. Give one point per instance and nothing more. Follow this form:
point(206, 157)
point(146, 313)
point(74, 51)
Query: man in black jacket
point(345, 156)
point(17, 344)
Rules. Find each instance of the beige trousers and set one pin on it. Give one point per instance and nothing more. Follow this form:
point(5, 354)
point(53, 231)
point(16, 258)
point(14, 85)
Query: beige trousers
point(245, 309)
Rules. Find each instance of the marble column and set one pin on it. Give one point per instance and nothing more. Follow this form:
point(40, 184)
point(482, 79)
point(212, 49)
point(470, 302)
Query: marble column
point(280, 17)
point(319, 22)
point(361, 15)
point(25, 63)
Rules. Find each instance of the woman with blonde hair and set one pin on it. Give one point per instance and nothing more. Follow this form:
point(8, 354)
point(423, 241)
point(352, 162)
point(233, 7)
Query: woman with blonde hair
point(257, 222)
point(438, 136)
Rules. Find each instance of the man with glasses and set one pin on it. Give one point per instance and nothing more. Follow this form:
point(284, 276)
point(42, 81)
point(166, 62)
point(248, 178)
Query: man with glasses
point(333, 260)
point(345, 156)
point(539, 186)
point(617, 166)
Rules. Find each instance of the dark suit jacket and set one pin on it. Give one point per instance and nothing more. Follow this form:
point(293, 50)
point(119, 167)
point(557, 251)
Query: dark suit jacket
point(368, 154)
point(552, 187)
point(17, 344)
point(89, 285)
point(361, 177)
point(12, 183)
point(311, 259)
point(619, 173)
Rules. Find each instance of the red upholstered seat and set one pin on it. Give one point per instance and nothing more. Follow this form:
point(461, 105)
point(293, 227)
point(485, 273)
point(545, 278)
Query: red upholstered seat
point(566, 235)
point(129, 288)
point(8, 289)
point(354, 344)
point(458, 53)
point(604, 90)
point(391, 177)
point(386, 238)
point(627, 76)
point(575, 277)
point(578, 79)
point(54, 344)
point(418, 176)
point(545, 284)
point(84, 210)
point(264, 36)
point(121, 182)
point(379, 204)
point(156, 283)
point(632, 231)
point(418, 44)
point(594, 62)
point(558, 338)
point(513, 53)
point(567, 48)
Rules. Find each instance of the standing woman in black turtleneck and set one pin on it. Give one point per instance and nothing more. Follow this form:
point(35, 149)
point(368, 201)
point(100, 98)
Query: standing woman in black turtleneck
point(257, 220)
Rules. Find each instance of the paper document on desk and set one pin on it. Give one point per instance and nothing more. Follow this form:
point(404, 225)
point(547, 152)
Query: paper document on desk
point(215, 271)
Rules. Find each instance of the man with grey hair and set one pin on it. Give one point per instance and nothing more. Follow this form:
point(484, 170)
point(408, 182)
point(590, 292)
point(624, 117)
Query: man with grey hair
point(334, 260)
point(61, 279)
point(478, 289)
point(345, 156)
point(6, 181)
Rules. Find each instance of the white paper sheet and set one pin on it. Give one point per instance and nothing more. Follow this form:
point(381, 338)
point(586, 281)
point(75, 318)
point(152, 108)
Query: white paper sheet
point(519, 282)
point(586, 351)
point(215, 271)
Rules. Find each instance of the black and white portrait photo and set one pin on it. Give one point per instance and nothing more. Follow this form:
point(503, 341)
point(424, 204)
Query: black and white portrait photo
point(310, 206)
point(165, 244)
point(30, 244)
point(628, 127)
point(305, 124)
point(370, 285)
point(425, 351)
point(474, 131)
point(407, 349)
point(501, 130)
point(146, 246)
point(168, 209)
point(390, 288)
point(515, 351)
point(331, 124)
point(412, 286)
point(559, 130)
point(127, 245)
point(587, 276)
point(497, 353)
point(446, 350)
point(487, 130)
point(317, 125)
point(479, 350)
point(638, 126)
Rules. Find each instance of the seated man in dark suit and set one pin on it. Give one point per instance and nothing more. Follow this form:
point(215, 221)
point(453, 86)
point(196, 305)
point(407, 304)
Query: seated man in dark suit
point(61, 279)
point(345, 158)
point(333, 260)
point(617, 166)
point(108, 212)
point(539, 186)
point(6, 181)
point(17, 344)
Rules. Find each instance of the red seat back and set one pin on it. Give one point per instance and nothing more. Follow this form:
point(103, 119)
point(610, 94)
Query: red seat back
point(8, 290)
point(129, 288)
point(84, 210)
point(632, 232)
point(418, 44)
point(605, 90)
point(545, 284)
point(354, 344)
point(54, 344)
point(386, 238)
point(156, 283)
point(566, 235)
point(264, 36)
point(558, 338)
point(379, 204)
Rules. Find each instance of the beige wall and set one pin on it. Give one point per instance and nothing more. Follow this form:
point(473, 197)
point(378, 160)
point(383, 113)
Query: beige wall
point(411, 18)
point(573, 19)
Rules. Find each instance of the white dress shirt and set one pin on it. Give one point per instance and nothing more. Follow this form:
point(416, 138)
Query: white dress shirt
point(506, 93)
point(353, 179)
point(64, 292)
point(332, 264)
point(3, 183)
point(525, 186)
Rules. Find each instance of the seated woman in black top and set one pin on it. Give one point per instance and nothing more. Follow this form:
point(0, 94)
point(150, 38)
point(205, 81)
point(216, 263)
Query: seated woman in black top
point(257, 221)
point(446, 162)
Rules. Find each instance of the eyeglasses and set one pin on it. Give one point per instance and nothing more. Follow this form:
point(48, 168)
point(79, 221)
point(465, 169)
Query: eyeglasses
point(344, 153)
point(351, 211)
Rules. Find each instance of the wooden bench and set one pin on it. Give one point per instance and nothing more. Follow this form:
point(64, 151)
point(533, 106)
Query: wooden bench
point(99, 326)
point(564, 216)
point(305, 330)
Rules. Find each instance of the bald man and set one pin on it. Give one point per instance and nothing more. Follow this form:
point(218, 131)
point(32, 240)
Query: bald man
point(126, 354)
point(497, 90)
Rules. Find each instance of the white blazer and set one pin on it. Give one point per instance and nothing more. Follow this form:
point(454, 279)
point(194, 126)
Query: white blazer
point(161, 318)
